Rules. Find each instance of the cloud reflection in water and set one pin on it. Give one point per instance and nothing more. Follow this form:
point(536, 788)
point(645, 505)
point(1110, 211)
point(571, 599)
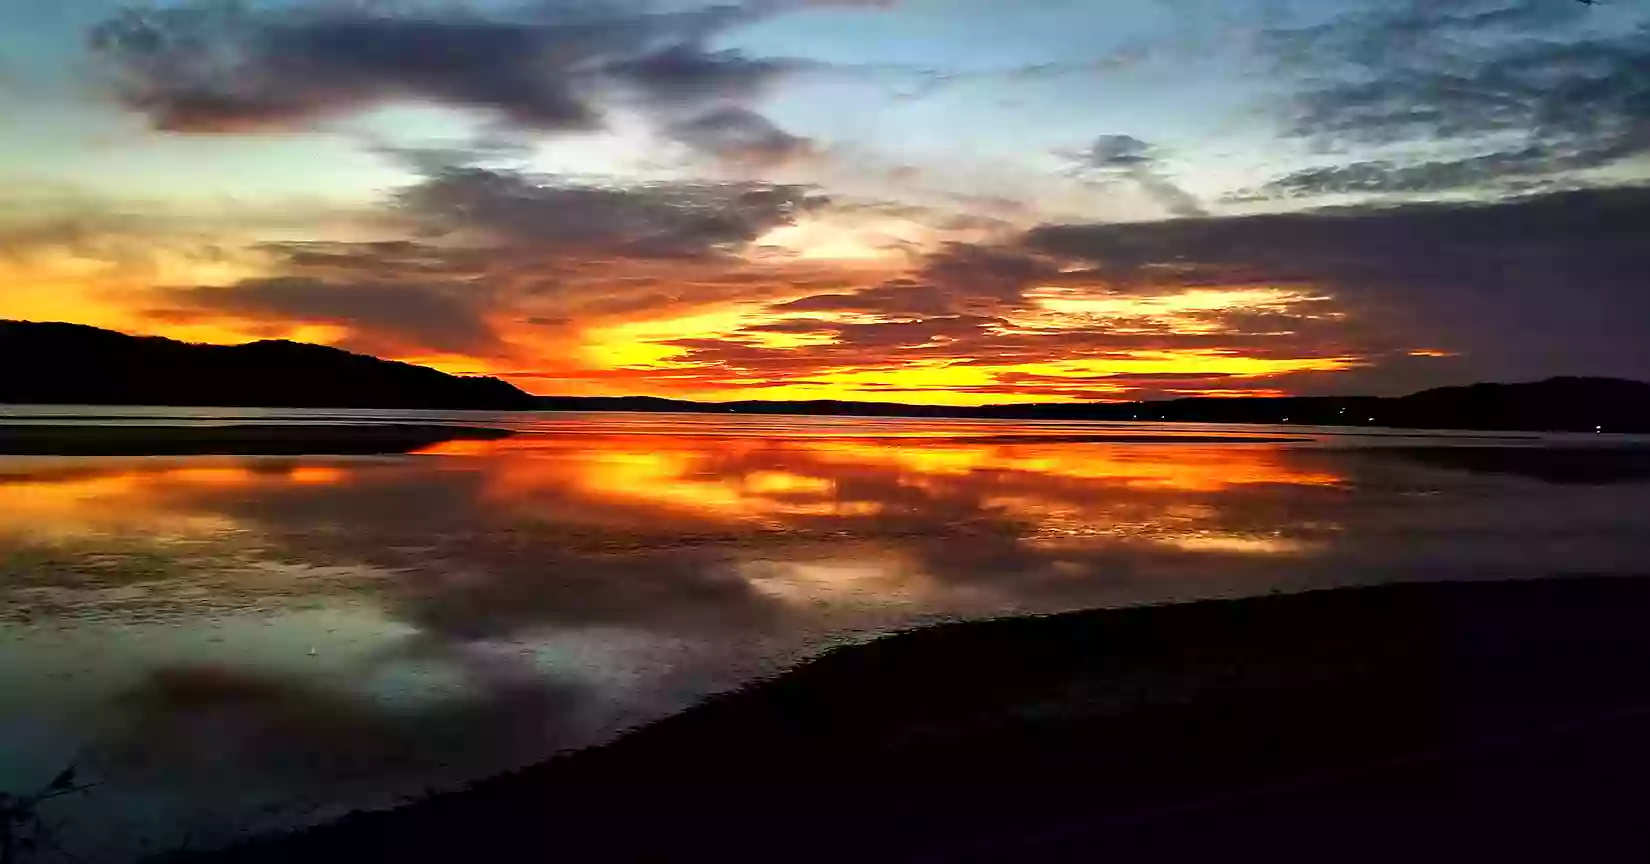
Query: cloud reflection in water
point(394, 622)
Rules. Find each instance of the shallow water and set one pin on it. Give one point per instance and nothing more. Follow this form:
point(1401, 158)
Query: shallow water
point(237, 644)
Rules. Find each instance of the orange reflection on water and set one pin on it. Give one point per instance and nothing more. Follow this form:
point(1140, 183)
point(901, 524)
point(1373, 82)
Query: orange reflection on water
point(459, 447)
point(728, 480)
point(68, 498)
point(1192, 497)
point(1179, 496)
point(317, 475)
point(1184, 467)
point(806, 520)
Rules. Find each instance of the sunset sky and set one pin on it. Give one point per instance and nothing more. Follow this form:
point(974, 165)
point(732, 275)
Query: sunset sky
point(936, 201)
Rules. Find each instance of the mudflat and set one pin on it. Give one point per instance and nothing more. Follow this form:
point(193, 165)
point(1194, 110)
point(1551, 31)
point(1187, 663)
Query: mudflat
point(1506, 719)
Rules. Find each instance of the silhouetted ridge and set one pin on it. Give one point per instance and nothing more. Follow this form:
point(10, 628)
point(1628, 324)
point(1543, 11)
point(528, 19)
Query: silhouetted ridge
point(1556, 404)
point(73, 364)
point(240, 439)
point(1563, 403)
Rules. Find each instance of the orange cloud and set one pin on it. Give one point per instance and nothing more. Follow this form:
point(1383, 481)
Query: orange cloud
point(702, 291)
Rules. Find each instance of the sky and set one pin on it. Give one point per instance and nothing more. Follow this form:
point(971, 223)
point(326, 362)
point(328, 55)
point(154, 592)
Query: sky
point(926, 201)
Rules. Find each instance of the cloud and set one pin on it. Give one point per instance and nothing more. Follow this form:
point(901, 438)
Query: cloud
point(884, 334)
point(1118, 151)
point(961, 278)
point(880, 330)
point(1110, 158)
point(204, 67)
point(980, 309)
point(401, 315)
point(986, 349)
point(688, 75)
point(743, 138)
point(642, 220)
point(898, 297)
point(1548, 284)
point(493, 247)
point(1383, 176)
point(519, 272)
point(286, 733)
point(1474, 92)
point(479, 151)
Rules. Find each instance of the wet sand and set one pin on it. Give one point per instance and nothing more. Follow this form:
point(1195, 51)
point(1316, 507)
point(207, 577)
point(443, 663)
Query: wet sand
point(1420, 722)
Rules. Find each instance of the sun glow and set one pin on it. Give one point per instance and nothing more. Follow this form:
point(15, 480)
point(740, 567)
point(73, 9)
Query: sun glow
point(643, 349)
point(750, 345)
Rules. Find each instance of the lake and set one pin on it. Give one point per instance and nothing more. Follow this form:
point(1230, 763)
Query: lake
point(234, 644)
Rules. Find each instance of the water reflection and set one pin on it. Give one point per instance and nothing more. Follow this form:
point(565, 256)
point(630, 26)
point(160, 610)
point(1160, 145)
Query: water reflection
point(246, 632)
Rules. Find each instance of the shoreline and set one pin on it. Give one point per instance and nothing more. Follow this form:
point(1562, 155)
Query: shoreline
point(240, 439)
point(1182, 727)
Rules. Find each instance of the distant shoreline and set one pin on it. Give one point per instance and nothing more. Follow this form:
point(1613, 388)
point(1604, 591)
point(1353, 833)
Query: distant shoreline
point(77, 365)
point(37, 439)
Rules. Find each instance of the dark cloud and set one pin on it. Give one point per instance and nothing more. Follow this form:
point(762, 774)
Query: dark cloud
point(1480, 91)
point(478, 152)
point(686, 75)
point(742, 138)
point(795, 325)
point(1382, 176)
point(1111, 158)
point(1544, 285)
point(898, 297)
point(229, 67)
point(961, 279)
point(393, 315)
point(1125, 385)
point(650, 220)
point(995, 275)
point(885, 334)
point(1118, 151)
point(496, 246)
point(1156, 377)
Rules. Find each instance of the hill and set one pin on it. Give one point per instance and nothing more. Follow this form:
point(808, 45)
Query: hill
point(70, 364)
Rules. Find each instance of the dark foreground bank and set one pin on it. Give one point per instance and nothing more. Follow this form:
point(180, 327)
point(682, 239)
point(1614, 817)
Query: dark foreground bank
point(1412, 722)
point(248, 439)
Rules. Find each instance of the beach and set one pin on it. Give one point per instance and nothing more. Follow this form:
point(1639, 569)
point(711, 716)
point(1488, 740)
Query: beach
point(1509, 720)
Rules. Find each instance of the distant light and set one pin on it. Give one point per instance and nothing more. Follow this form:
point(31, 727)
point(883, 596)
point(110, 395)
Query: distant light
point(1370, 420)
point(1286, 419)
point(1598, 428)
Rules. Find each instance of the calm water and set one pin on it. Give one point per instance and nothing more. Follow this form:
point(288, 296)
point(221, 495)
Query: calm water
point(237, 644)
